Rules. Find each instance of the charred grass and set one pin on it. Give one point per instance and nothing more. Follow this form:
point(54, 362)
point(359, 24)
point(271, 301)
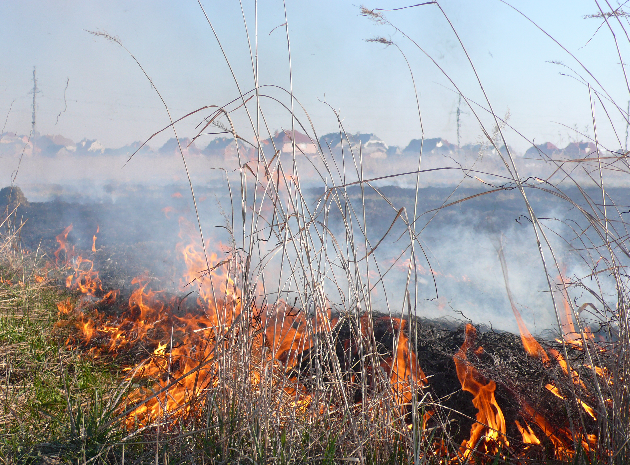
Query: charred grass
point(61, 406)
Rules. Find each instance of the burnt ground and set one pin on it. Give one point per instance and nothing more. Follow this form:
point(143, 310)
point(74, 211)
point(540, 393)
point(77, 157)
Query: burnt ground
point(137, 234)
point(138, 228)
point(497, 356)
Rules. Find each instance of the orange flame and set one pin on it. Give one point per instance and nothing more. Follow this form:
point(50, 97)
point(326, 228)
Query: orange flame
point(531, 345)
point(62, 239)
point(489, 430)
point(279, 336)
point(94, 238)
point(566, 317)
point(556, 392)
point(404, 372)
point(528, 435)
point(560, 437)
point(65, 307)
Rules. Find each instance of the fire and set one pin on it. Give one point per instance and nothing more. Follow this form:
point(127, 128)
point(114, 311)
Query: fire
point(555, 391)
point(566, 317)
point(560, 437)
point(62, 239)
point(529, 437)
point(531, 345)
point(84, 278)
point(188, 344)
point(94, 238)
point(65, 307)
point(404, 372)
point(602, 372)
point(488, 433)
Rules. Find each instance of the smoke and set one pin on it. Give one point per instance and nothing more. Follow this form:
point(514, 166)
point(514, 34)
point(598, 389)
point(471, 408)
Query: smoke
point(140, 205)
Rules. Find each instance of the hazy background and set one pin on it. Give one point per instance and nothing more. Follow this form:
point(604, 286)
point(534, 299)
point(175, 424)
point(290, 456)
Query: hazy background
point(109, 99)
point(93, 93)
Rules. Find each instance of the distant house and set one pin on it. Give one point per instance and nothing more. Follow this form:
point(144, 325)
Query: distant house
point(371, 145)
point(574, 150)
point(547, 149)
point(436, 145)
point(303, 144)
point(580, 149)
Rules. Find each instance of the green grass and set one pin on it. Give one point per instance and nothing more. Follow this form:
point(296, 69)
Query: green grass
point(51, 399)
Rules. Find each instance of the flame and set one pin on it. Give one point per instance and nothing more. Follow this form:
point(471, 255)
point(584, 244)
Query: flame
point(185, 346)
point(601, 372)
point(286, 332)
point(488, 433)
point(561, 438)
point(561, 448)
point(65, 307)
point(532, 347)
point(94, 239)
point(62, 239)
point(570, 336)
point(566, 318)
point(88, 330)
point(556, 392)
point(575, 377)
point(404, 372)
point(528, 435)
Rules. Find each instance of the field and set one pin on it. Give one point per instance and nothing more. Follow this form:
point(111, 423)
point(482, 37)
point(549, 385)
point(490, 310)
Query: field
point(296, 313)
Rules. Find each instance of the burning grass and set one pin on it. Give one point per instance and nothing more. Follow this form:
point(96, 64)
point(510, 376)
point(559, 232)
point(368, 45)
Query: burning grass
point(49, 396)
point(186, 358)
point(276, 353)
point(210, 376)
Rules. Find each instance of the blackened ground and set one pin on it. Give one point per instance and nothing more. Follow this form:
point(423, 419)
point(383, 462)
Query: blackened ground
point(138, 233)
point(520, 379)
point(138, 229)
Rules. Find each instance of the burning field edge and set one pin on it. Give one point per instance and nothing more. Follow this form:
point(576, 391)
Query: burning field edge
point(125, 375)
point(268, 348)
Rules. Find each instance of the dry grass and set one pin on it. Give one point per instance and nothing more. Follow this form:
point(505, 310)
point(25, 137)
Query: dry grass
point(284, 249)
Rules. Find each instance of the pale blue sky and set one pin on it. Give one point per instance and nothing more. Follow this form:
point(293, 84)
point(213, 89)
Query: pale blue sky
point(109, 99)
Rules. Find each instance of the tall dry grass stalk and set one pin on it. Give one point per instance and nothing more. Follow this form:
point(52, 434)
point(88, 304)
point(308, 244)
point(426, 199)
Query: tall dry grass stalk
point(284, 249)
point(294, 399)
point(601, 236)
point(290, 265)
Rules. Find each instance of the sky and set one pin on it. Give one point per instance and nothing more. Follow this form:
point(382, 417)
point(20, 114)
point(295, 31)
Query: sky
point(92, 88)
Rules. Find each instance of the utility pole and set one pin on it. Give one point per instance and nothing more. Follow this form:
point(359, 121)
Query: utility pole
point(35, 91)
